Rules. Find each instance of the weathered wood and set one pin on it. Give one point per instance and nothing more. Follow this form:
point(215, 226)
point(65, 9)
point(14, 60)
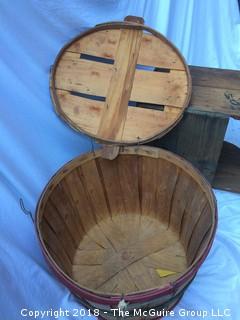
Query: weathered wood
point(140, 122)
point(228, 170)
point(103, 43)
point(200, 134)
point(215, 77)
point(198, 138)
point(210, 90)
point(93, 78)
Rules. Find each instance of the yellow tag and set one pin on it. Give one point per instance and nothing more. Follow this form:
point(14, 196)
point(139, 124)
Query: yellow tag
point(164, 273)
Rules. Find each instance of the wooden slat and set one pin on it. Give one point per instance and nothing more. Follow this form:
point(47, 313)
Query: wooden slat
point(140, 123)
point(88, 216)
point(108, 174)
point(84, 187)
point(116, 104)
point(60, 201)
point(149, 180)
point(160, 87)
point(85, 113)
point(128, 178)
point(153, 51)
point(198, 137)
point(102, 43)
point(61, 258)
point(158, 184)
point(214, 100)
point(202, 228)
point(82, 75)
point(94, 187)
point(215, 78)
point(180, 200)
point(113, 187)
point(61, 230)
point(192, 215)
point(128, 173)
point(81, 201)
point(168, 175)
point(94, 78)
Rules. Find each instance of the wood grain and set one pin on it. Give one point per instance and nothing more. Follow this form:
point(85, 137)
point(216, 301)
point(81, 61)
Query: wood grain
point(210, 86)
point(109, 225)
point(113, 67)
point(140, 122)
point(94, 78)
point(116, 104)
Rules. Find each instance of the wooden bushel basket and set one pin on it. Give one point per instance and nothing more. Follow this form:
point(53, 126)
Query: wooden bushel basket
point(130, 232)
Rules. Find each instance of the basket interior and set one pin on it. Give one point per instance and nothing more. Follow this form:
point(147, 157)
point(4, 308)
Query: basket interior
point(126, 225)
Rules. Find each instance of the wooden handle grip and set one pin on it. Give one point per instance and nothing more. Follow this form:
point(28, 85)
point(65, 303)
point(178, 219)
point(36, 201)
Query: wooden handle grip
point(110, 152)
point(134, 19)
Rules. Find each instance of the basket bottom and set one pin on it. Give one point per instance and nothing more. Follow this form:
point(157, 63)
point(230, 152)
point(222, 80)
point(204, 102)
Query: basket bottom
point(128, 253)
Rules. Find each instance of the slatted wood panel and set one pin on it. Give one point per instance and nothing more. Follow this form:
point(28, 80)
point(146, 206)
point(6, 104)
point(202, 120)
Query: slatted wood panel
point(110, 225)
point(215, 91)
point(99, 77)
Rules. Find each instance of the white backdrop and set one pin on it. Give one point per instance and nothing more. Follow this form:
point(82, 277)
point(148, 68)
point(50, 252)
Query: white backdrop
point(34, 143)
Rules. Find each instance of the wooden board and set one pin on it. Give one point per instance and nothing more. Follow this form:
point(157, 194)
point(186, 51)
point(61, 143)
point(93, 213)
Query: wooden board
point(115, 109)
point(101, 76)
point(198, 138)
point(139, 122)
point(211, 90)
point(94, 78)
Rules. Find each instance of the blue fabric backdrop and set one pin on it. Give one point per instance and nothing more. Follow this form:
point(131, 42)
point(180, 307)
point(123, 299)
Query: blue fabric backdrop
point(34, 143)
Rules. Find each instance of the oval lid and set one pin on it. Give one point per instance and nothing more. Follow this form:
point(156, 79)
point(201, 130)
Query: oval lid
point(121, 83)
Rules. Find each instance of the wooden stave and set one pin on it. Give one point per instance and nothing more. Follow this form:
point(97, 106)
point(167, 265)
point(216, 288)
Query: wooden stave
point(139, 297)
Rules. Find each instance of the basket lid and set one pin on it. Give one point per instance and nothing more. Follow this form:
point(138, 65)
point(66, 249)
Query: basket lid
point(120, 83)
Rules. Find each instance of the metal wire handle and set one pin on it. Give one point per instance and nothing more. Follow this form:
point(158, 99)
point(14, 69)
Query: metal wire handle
point(25, 211)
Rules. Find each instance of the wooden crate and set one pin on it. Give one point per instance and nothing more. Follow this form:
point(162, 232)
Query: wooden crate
point(199, 136)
